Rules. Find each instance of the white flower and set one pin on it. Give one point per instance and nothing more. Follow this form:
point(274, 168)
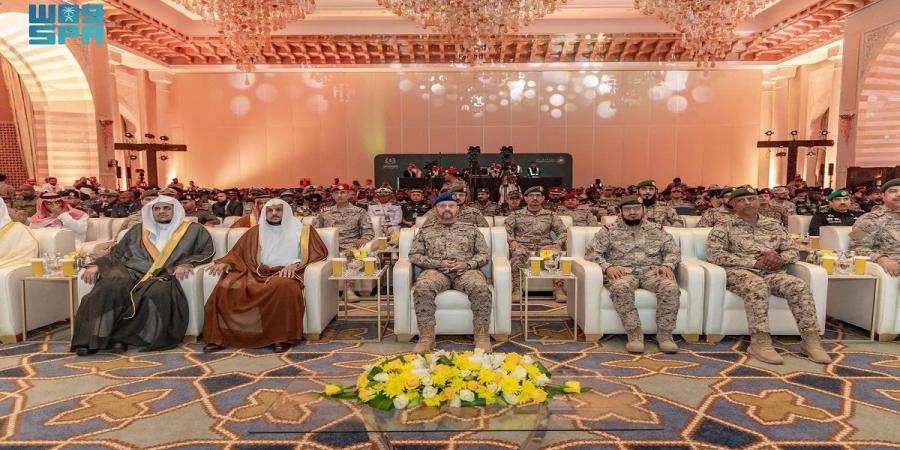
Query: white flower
point(400, 401)
point(465, 373)
point(541, 380)
point(466, 395)
point(418, 363)
point(493, 387)
point(426, 381)
point(478, 358)
point(497, 360)
point(527, 359)
point(421, 372)
point(429, 391)
point(519, 373)
point(456, 402)
point(510, 398)
point(381, 377)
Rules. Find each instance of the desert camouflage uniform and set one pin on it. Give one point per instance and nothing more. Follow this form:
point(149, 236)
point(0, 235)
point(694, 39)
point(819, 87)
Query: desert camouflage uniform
point(488, 209)
point(786, 205)
point(582, 216)
point(664, 215)
point(606, 207)
point(712, 216)
point(877, 234)
point(641, 250)
point(736, 245)
point(467, 214)
point(774, 212)
point(353, 224)
point(533, 231)
point(458, 242)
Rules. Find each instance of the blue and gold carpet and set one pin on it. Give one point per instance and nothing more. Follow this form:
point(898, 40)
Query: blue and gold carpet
point(708, 396)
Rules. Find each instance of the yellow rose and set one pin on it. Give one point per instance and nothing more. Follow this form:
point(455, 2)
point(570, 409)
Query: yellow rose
point(333, 389)
point(394, 387)
point(572, 387)
point(362, 381)
point(449, 393)
point(472, 386)
point(410, 357)
point(366, 394)
point(433, 401)
point(413, 382)
point(539, 395)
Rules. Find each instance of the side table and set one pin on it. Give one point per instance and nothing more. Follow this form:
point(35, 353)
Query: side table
point(71, 284)
point(527, 276)
point(361, 276)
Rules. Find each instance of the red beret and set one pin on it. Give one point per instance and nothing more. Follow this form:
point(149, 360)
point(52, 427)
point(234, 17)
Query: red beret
point(570, 195)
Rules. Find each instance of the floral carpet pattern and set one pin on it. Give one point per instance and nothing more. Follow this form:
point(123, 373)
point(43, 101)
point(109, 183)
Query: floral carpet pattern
point(708, 396)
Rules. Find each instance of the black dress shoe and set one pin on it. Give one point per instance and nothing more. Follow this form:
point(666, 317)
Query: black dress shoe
point(209, 348)
point(84, 351)
point(280, 347)
point(119, 348)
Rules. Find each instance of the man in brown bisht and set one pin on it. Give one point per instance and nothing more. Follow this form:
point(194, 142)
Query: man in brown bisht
point(258, 301)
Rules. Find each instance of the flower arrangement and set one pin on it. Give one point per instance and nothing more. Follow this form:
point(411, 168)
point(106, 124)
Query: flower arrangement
point(459, 379)
point(360, 254)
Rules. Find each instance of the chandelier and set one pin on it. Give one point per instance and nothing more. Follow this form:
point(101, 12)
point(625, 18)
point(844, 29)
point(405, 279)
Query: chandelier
point(246, 26)
point(475, 26)
point(706, 26)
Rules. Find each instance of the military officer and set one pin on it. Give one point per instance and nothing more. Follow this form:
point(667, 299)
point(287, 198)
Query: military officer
point(838, 214)
point(581, 215)
point(877, 234)
point(466, 213)
point(766, 209)
point(353, 224)
point(808, 203)
point(415, 207)
point(451, 253)
point(657, 211)
point(754, 251)
point(782, 200)
point(484, 204)
point(312, 205)
point(554, 199)
point(635, 253)
point(452, 182)
point(391, 214)
point(607, 204)
point(513, 203)
point(528, 230)
point(723, 212)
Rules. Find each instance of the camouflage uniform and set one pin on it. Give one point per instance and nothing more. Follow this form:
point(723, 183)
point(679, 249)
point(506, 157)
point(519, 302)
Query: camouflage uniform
point(640, 250)
point(607, 207)
point(736, 245)
point(412, 210)
point(664, 215)
point(712, 216)
point(458, 242)
point(786, 205)
point(391, 216)
point(352, 223)
point(774, 212)
point(582, 216)
point(809, 207)
point(203, 216)
point(488, 209)
point(877, 234)
point(532, 230)
point(29, 207)
point(467, 214)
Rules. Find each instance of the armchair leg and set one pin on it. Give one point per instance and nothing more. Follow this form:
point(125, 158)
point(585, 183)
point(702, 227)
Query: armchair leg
point(691, 338)
point(714, 338)
point(884, 337)
point(188, 339)
point(593, 337)
point(404, 337)
point(500, 337)
point(312, 337)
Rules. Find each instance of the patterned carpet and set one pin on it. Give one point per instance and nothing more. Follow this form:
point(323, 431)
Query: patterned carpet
point(709, 396)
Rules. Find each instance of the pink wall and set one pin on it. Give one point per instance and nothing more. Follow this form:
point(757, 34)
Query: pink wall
point(620, 126)
point(6, 114)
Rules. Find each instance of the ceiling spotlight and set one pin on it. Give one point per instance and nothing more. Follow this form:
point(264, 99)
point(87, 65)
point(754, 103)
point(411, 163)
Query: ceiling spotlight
point(794, 133)
point(824, 133)
point(163, 157)
point(164, 138)
point(132, 157)
point(769, 132)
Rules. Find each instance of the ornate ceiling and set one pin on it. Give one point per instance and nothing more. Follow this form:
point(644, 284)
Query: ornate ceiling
point(358, 32)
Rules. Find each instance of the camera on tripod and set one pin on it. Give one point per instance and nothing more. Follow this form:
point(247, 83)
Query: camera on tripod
point(506, 153)
point(472, 154)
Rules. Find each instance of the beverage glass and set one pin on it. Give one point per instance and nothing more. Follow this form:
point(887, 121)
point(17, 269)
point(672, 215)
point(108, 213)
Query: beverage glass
point(565, 265)
point(337, 266)
point(37, 267)
point(68, 267)
point(535, 264)
point(828, 262)
point(859, 264)
point(369, 266)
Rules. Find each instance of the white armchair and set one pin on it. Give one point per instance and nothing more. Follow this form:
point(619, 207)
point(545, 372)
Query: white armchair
point(99, 232)
point(691, 221)
point(607, 220)
point(320, 293)
point(725, 314)
point(499, 221)
point(799, 224)
point(887, 321)
point(40, 313)
point(597, 314)
point(227, 221)
point(453, 313)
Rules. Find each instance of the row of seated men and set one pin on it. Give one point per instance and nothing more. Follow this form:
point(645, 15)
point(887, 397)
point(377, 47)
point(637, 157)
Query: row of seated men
point(258, 300)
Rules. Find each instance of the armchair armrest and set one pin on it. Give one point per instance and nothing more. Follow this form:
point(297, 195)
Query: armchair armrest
point(321, 296)
point(10, 301)
point(713, 294)
point(590, 288)
point(888, 319)
point(402, 286)
point(690, 277)
point(502, 289)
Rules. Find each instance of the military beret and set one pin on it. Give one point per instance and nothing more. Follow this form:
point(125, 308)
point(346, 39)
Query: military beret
point(444, 198)
point(862, 188)
point(169, 191)
point(153, 193)
point(741, 192)
point(724, 193)
point(452, 170)
point(514, 194)
point(50, 196)
point(764, 191)
point(383, 191)
point(287, 192)
point(556, 190)
point(483, 189)
point(341, 187)
point(107, 191)
point(647, 183)
point(456, 188)
point(890, 184)
point(534, 190)
point(314, 197)
point(412, 191)
point(838, 194)
point(630, 200)
point(779, 190)
point(189, 197)
point(257, 192)
point(570, 195)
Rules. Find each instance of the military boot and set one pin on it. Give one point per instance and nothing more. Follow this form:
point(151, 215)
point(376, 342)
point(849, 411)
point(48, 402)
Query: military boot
point(559, 293)
point(635, 341)
point(426, 340)
point(483, 338)
point(761, 348)
point(666, 342)
point(811, 347)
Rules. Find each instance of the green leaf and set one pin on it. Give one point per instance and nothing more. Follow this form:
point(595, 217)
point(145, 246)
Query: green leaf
point(541, 368)
point(346, 395)
point(382, 402)
point(375, 371)
point(477, 402)
point(415, 402)
point(585, 389)
point(445, 361)
point(554, 390)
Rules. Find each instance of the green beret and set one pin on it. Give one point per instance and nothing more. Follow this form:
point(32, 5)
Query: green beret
point(514, 194)
point(646, 183)
point(630, 200)
point(456, 188)
point(838, 194)
point(890, 184)
point(534, 190)
point(741, 192)
point(724, 193)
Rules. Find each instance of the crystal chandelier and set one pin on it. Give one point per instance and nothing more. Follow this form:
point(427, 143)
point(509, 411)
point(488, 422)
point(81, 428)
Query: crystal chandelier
point(246, 26)
point(474, 25)
point(706, 26)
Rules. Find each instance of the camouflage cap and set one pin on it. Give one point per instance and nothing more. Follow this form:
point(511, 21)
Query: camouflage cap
point(534, 190)
point(630, 200)
point(514, 194)
point(646, 183)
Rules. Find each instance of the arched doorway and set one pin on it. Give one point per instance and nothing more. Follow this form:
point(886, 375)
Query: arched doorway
point(878, 126)
point(65, 127)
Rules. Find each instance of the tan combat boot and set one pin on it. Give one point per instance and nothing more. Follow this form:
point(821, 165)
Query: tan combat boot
point(811, 347)
point(483, 338)
point(666, 342)
point(761, 348)
point(426, 340)
point(516, 290)
point(559, 293)
point(635, 341)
